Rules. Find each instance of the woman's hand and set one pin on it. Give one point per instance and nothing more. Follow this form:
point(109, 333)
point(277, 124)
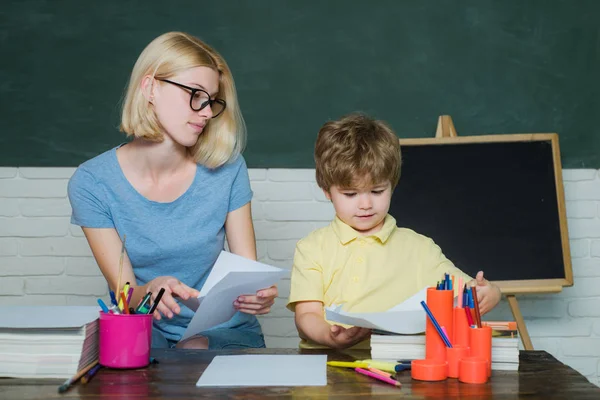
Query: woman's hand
point(173, 288)
point(259, 304)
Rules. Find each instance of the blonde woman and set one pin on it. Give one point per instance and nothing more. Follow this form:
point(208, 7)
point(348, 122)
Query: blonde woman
point(176, 191)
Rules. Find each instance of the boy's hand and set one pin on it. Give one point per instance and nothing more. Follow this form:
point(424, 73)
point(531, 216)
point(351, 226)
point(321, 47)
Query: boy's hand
point(488, 294)
point(343, 338)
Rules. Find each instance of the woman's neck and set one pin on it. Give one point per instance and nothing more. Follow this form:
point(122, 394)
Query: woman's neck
point(156, 159)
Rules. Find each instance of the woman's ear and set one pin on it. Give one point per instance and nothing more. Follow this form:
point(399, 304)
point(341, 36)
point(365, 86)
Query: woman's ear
point(148, 88)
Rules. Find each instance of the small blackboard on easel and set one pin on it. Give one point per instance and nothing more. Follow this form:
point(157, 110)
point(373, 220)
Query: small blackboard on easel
point(493, 203)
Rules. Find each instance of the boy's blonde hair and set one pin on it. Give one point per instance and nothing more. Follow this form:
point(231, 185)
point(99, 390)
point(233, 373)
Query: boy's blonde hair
point(354, 148)
point(223, 138)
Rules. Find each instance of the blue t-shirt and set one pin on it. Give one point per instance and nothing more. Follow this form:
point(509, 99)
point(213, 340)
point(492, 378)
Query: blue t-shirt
point(182, 238)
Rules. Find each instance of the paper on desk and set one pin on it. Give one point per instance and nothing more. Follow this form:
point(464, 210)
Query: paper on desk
point(406, 318)
point(265, 370)
point(231, 276)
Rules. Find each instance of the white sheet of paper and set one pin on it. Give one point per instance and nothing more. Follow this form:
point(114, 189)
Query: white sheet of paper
point(229, 262)
point(47, 316)
point(231, 276)
point(265, 370)
point(406, 318)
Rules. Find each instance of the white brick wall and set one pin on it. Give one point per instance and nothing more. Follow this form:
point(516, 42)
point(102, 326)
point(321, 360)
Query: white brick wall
point(45, 260)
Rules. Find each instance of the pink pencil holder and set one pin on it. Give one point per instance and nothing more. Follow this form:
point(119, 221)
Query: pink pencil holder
point(125, 340)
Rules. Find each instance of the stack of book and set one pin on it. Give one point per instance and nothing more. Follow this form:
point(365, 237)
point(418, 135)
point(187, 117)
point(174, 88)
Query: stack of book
point(47, 342)
point(392, 347)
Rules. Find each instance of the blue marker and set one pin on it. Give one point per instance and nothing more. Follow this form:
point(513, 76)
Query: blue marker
point(403, 365)
point(102, 306)
point(113, 299)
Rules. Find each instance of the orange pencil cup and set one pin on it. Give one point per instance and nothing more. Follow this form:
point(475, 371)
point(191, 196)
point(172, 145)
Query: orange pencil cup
point(454, 354)
point(461, 328)
point(440, 303)
point(480, 340)
point(125, 340)
point(429, 370)
point(472, 370)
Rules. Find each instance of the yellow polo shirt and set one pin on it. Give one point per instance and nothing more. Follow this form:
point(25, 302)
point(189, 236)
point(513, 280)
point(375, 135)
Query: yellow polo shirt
point(336, 265)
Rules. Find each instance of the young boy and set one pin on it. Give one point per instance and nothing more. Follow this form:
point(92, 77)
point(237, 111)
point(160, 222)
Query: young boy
point(362, 260)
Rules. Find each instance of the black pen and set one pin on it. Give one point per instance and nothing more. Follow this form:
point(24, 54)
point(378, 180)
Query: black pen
point(158, 296)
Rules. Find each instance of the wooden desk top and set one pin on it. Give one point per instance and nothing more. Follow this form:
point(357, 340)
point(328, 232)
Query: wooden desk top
point(540, 376)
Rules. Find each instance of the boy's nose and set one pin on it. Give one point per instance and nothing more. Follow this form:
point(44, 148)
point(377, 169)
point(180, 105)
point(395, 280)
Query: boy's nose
point(365, 202)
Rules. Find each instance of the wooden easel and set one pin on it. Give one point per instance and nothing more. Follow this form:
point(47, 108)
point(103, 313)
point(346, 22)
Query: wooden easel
point(445, 129)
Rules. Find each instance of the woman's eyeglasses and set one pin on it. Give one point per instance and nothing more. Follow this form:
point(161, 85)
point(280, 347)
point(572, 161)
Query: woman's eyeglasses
point(200, 99)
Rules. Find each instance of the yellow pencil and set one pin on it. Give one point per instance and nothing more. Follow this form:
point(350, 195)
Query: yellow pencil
point(124, 292)
point(382, 365)
point(345, 364)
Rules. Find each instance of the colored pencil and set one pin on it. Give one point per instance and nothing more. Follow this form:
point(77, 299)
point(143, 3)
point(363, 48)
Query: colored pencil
point(380, 372)
point(476, 303)
point(347, 364)
point(436, 325)
point(88, 377)
point(69, 382)
point(469, 316)
point(377, 376)
point(447, 336)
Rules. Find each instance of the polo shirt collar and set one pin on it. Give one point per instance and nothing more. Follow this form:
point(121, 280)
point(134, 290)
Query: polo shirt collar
point(346, 234)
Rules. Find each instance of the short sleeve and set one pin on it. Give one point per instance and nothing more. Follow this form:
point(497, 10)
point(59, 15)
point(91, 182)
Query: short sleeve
point(436, 264)
point(307, 275)
point(241, 193)
point(88, 203)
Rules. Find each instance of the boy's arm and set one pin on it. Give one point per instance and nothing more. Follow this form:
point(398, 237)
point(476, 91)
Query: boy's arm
point(488, 294)
point(437, 264)
point(311, 325)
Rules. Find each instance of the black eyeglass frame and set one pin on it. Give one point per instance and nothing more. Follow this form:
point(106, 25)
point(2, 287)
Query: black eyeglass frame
point(193, 93)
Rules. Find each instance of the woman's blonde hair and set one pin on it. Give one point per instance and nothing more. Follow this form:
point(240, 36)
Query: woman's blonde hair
point(354, 148)
point(224, 137)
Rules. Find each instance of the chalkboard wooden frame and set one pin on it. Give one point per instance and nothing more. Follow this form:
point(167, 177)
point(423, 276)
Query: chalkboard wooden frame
point(521, 286)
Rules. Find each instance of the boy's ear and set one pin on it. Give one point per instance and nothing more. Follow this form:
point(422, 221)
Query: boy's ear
point(327, 194)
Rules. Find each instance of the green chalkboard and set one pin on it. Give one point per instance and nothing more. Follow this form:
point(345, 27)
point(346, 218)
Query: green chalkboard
point(495, 205)
point(509, 66)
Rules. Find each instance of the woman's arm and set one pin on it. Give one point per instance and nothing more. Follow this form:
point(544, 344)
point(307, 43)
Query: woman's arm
point(241, 240)
point(239, 231)
point(106, 247)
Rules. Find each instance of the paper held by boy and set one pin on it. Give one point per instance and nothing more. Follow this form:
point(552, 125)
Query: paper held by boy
point(230, 277)
point(406, 318)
